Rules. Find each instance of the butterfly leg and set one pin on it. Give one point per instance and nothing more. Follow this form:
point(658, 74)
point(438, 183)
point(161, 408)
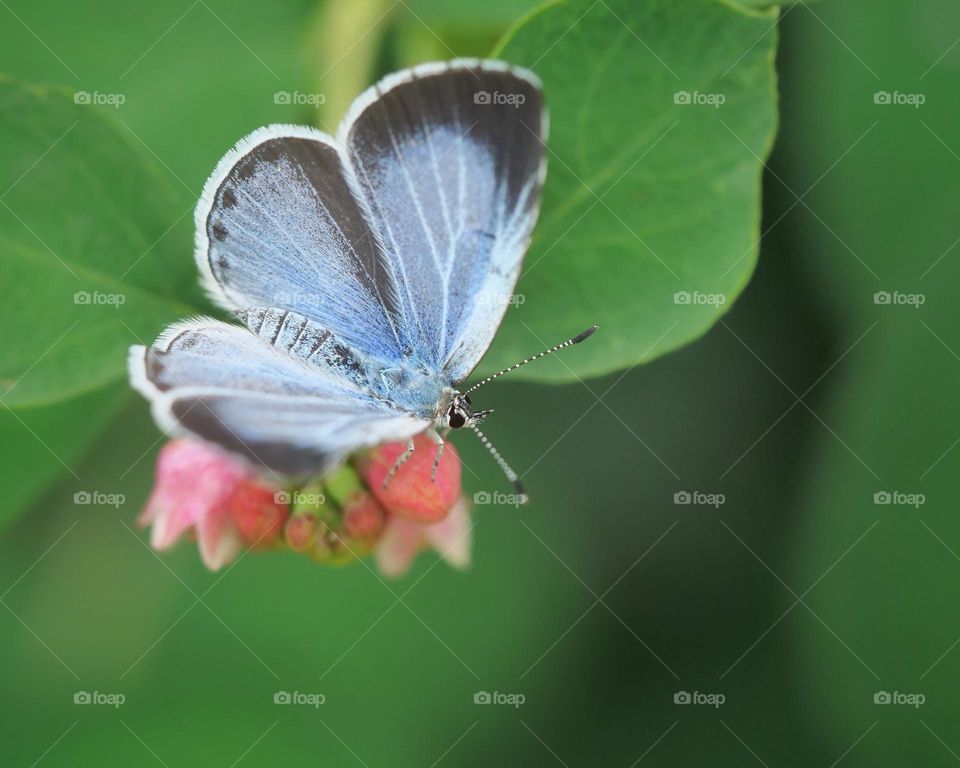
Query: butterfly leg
point(438, 441)
point(399, 462)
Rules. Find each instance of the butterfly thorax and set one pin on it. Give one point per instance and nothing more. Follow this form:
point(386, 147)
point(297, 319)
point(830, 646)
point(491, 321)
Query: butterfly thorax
point(416, 390)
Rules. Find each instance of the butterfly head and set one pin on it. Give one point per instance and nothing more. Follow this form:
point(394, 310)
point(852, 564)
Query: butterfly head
point(461, 413)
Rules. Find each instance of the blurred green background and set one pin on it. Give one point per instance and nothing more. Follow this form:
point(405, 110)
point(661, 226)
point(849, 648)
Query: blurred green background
point(799, 599)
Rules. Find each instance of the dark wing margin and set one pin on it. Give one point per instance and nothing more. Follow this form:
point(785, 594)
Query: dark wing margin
point(208, 415)
point(451, 159)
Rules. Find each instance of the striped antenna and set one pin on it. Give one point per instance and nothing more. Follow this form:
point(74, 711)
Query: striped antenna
point(507, 470)
point(568, 343)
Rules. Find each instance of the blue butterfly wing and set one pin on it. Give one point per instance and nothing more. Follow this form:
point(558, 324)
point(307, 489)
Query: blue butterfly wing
point(405, 235)
point(283, 392)
point(278, 225)
point(450, 158)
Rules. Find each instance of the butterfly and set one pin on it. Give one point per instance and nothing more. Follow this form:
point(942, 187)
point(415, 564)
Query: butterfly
point(369, 272)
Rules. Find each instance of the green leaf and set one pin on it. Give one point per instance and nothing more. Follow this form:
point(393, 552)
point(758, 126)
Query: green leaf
point(38, 445)
point(645, 197)
point(86, 239)
point(95, 250)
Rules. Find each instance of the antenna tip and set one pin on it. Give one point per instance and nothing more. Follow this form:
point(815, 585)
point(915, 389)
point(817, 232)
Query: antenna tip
point(584, 335)
point(521, 492)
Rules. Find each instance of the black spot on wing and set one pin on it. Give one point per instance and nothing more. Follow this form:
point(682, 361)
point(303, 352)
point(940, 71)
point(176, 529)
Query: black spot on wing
point(219, 231)
point(245, 168)
point(320, 165)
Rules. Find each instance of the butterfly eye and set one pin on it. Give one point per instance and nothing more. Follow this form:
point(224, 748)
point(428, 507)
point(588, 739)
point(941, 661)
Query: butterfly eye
point(456, 419)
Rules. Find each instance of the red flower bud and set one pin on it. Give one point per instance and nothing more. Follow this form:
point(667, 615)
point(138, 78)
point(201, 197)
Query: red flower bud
point(410, 493)
point(363, 517)
point(300, 531)
point(257, 512)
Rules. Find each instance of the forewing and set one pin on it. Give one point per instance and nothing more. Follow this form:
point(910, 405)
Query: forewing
point(451, 159)
point(224, 384)
point(278, 225)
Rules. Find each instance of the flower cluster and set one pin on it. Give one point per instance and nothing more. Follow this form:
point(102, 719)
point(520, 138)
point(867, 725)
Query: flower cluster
point(228, 507)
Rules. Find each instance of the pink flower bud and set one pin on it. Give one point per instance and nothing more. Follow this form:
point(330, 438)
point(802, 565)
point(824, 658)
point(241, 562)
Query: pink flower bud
point(257, 512)
point(193, 483)
point(411, 493)
point(201, 490)
point(403, 539)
